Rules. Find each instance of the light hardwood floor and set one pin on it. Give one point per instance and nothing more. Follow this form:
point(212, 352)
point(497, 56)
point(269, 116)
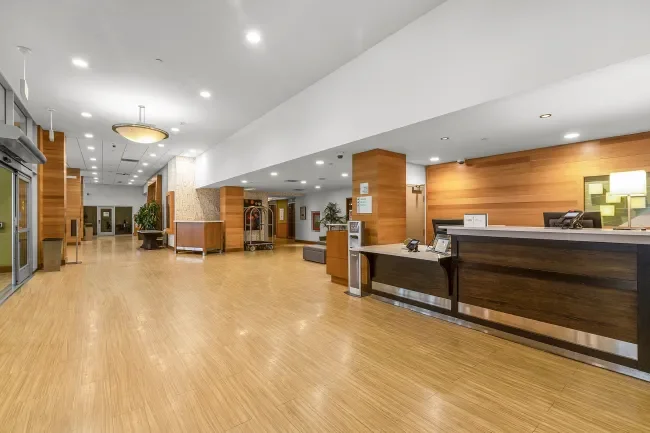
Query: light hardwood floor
point(146, 341)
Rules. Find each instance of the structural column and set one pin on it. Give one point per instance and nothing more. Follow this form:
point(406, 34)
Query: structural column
point(384, 173)
point(52, 194)
point(231, 209)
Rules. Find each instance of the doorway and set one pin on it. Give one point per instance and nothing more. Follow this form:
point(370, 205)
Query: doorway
point(15, 230)
point(123, 220)
point(291, 211)
point(105, 221)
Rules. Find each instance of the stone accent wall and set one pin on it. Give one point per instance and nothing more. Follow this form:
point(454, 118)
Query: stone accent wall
point(191, 204)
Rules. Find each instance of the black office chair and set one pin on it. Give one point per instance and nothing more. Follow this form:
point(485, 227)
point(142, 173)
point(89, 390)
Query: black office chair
point(590, 220)
point(437, 230)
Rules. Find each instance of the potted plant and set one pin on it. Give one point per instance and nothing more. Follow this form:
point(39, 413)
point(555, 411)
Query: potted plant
point(331, 215)
point(148, 215)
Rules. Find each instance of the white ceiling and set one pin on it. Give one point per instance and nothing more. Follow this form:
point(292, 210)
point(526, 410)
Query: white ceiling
point(607, 102)
point(202, 45)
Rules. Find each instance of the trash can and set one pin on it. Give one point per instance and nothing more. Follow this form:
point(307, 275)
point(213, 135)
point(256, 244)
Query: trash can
point(52, 250)
point(88, 232)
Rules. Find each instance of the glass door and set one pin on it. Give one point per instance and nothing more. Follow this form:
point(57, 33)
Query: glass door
point(23, 262)
point(6, 231)
point(105, 221)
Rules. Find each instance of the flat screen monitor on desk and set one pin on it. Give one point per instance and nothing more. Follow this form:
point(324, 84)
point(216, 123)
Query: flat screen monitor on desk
point(437, 224)
point(590, 220)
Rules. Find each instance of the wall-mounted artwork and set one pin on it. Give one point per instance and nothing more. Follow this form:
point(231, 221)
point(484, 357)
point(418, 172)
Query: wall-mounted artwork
point(315, 221)
point(613, 208)
point(303, 213)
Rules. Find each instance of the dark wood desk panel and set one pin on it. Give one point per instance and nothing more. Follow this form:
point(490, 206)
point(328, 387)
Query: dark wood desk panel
point(418, 275)
point(598, 310)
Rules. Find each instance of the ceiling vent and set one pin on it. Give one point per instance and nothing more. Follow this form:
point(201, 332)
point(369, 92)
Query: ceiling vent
point(130, 160)
point(123, 174)
point(322, 178)
point(298, 189)
point(292, 181)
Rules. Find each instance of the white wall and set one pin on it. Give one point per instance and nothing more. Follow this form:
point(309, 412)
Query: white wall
point(416, 174)
point(317, 202)
point(114, 195)
point(461, 54)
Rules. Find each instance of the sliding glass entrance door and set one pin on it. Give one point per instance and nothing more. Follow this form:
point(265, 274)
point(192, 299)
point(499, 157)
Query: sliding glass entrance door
point(6, 231)
point(23, 232)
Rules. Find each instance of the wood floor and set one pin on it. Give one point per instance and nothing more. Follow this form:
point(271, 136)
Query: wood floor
point(146, 341)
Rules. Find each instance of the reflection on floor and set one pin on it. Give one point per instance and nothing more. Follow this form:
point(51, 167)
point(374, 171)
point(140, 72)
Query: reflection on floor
point(5, 279)
point(147, 341)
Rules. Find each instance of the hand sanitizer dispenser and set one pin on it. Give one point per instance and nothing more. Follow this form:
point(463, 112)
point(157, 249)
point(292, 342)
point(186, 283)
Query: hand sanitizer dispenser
point(355, 240)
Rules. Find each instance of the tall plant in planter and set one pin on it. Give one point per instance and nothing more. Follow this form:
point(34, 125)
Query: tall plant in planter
point(147, 216)
point(331, 215)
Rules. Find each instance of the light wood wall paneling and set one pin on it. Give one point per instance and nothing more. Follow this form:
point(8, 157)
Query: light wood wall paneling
point(385, 173)
point(337, 256)
point(52, 191)
point(516, 188)
point(154, 193)
point(172, 212)
point(74, 208)
point(231, 206)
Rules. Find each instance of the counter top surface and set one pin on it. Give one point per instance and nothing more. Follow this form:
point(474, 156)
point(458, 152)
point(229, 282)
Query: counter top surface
point(552, 233)
point(400, 250)
point(215, 221)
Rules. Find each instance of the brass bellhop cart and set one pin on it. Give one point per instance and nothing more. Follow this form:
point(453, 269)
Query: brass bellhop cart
point(259, 228)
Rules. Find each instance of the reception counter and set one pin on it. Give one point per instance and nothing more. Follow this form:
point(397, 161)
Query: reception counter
point(579, 293)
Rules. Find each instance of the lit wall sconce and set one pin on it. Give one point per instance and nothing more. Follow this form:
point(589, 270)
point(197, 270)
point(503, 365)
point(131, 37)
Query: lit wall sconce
point(638, 203)
point(612, 198)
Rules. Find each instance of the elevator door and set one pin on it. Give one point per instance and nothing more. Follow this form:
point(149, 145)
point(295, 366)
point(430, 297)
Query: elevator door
point(6, 231)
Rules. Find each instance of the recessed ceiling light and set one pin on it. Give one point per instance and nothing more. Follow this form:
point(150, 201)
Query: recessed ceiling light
point(161, 145)
point(544, 116)
point(95, 178)
point(135, 175)
point(253, 37)
point(153, 155)
point(80, 63)
point(344, 174)
point(320, 162)
point(303, 182)
point(273, 173)
point(175, 130)
point(317, 187)
point(434, 159)
point(444, 138)
point(192, 150)
point(96, 181)
point(244, 181)
point(88, 135)
point(93, 167)
point(91, 148)
point(571, 135)
point(205, 94)
point(86, 115)
point(93, 159)
point(94, 173)
point(140, 171)
point(145, 164)
point(249, 189)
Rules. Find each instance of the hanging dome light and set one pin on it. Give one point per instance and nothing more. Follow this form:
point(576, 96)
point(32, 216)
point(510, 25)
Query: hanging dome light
point(140, 132)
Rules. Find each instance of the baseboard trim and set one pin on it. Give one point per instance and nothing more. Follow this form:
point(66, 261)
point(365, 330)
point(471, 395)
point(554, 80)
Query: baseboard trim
point(300, 241)
point(340, 281)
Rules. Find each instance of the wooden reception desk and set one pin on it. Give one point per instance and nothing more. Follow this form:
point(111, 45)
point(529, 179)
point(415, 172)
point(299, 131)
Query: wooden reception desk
point(199, 236)
point(584, 294)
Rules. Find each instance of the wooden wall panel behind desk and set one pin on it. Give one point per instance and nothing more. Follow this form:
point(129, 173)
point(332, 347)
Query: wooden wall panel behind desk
point(52, 194)
point(231, 206)
point(385, 173)
point(516, 188)
point(337, 256)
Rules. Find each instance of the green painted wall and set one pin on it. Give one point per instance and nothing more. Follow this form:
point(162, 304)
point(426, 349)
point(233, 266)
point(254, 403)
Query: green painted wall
point(6, 177)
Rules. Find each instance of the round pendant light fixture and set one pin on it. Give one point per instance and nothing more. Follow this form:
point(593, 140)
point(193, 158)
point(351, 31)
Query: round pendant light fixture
point(140, 132)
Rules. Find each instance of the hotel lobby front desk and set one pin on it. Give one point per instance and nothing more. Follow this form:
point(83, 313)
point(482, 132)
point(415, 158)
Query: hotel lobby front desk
point(584, 294)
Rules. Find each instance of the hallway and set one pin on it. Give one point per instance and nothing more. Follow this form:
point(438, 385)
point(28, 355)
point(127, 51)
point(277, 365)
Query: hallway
point(149, 341)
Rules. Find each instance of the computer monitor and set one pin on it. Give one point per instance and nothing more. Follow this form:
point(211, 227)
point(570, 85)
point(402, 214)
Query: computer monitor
point(437, 230)
point(550, 218)
point(590, 220)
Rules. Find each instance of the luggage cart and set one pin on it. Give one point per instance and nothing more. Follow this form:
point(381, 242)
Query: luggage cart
point(258, 223)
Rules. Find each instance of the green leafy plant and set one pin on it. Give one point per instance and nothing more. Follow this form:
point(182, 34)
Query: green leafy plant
point(148, 215)
point(331, 215)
